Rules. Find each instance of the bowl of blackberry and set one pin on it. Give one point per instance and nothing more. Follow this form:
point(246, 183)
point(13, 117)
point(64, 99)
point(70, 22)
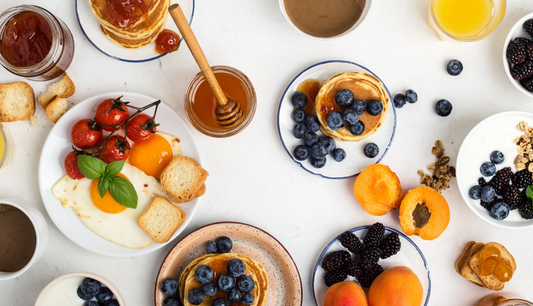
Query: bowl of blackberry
point(518, 55)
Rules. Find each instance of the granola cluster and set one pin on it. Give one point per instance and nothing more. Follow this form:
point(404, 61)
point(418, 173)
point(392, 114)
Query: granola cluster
point(440, 172)
point(524, 159)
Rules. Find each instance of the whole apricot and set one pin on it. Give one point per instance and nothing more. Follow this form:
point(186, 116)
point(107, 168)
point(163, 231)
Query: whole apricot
point(345, 294)
point(397, 286)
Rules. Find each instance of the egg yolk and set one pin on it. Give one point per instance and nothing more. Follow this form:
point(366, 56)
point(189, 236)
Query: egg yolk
point(151, 156)
point(106, 204)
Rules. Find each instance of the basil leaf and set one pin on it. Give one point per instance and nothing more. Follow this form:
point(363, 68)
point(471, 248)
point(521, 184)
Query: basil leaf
point(91, 167)
point(114, 168)
point(123, 192)
point(103, 185)
point(529, 192)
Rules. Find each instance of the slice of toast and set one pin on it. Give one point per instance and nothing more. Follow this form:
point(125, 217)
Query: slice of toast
point(161, 219)
point(491, 281)
point(198, 194)
point(17, 102)
point(64, 88)
point(56, 109)
point(464, 256)
point(183, 179)
point(466, 271)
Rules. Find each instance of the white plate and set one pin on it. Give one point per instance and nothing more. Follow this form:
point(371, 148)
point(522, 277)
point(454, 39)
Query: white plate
point(409, 255)
point(91, 28)
point(51, 169)
point(494, 133)
point(355, 161)
point(516, 31)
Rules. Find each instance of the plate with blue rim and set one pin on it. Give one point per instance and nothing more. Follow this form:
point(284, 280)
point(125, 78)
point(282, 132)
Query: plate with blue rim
point(409, 255)
point(91, 29)
point(355, 160)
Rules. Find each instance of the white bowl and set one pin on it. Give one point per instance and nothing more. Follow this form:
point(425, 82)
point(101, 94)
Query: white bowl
point(41, 234)
point(516, 31)
point(359, 21)
point(42, 299)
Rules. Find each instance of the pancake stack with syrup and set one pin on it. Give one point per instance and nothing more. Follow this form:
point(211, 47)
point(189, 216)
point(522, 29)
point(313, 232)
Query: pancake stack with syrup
point(137, 27)
point(363, 86)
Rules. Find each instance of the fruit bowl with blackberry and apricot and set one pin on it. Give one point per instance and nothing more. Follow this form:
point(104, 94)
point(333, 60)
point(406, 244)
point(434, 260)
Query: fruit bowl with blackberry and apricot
point(518, 55)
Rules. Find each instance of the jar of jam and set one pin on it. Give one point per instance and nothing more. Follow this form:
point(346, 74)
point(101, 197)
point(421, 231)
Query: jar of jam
point(34, 44)
point(200, 103)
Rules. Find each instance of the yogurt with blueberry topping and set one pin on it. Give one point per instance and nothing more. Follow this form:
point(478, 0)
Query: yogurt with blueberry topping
point(78, 291)
point(64, 293)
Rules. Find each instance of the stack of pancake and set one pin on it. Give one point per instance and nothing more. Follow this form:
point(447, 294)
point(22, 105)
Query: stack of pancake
point(218, 263)
point(364, 86)
point(141, 33)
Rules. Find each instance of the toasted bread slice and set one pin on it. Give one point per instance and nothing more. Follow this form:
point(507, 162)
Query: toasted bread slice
point(56, 109)
point(464, 256)
point(64, 88)
point(161, 219)
point(200, 191)
point(491, 281)
point(183, 178)
point(17, 102)
point(466, 271)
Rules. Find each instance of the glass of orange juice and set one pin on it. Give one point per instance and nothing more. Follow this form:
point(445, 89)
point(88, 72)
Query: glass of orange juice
point(7, 147)
point(465, 20)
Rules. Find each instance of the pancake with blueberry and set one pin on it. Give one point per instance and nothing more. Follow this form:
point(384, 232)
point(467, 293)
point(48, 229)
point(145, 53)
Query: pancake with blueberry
point(351, 106)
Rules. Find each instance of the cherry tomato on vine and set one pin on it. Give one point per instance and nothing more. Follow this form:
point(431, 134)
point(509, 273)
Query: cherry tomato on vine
point(71, 166)
point(86, 133)
point(112, 150)
point(111, 112)
point(141, 128)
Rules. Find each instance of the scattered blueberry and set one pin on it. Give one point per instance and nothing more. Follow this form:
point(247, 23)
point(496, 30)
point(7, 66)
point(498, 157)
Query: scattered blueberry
point(357, 129)
point(475, 192)
point(318, 162)
point(443, 107)
point(247, 299)
point(350, 116)
point(310, 138)
point(454, 67)
point(299, 99)
point(236, 267)
point(338, 154)
point(399, 100)
point(169, 287)
point(225, 282)
point(411, 96)
point(299, 115)
point(171, 302)
point(496, 157)
point(487, 169)
point(224, 244)
point(211, 247)
point(335, 121)
point(111, 303)
point(90, 286)
point(91, 303)
point(318, 151)
point(299, 130)
point(209, 289)
point(234, 295)
point(344, 98)
point(374, 107)
point(196, 297)
point(204, 274)
point(246, 284)
point(359, 106)
point(104, 295)
point(487, 194)
point(220, 302)
point(371, 150)
point(84, 296)
point(312, 123)
point(328, 143)
point(301, 152)
point(499, 211)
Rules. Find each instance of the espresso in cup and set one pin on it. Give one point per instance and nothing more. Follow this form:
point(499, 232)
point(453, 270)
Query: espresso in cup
point(18, 239)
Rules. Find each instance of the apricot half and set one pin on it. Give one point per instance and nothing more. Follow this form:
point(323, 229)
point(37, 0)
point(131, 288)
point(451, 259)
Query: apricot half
point(397, 286)
point(345, 294)
point(378, 190)
point(424, 212)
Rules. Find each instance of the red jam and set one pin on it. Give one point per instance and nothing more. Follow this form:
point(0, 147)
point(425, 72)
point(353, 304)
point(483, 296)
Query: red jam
point(125, 13)
point(26, 40)
point(166, 41)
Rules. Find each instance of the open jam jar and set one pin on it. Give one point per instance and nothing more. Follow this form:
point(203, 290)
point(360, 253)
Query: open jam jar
point(34, 44)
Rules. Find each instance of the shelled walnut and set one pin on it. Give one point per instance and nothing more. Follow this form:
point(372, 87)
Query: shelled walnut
point(524, 159)
point(440, 172)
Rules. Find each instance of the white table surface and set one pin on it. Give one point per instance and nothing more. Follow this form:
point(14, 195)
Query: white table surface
point(252, 179)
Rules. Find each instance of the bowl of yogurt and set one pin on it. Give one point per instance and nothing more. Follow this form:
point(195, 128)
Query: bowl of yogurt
point(76, 289)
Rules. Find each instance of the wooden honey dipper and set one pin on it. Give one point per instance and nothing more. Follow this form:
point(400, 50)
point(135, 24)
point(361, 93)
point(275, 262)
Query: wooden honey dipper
point(228, 111)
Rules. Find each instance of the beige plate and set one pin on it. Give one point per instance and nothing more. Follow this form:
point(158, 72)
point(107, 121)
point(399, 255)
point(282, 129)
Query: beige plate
point(285, 285)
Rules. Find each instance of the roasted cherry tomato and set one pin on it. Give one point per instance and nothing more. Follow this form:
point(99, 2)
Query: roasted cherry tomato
point(111, 112)
point(141, 128)
point(71, 166)
point(112, 150)
point(86, 133)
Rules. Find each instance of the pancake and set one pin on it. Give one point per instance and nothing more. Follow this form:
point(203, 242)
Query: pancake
point(99, 10)
point(364, 86)
point(132, 43)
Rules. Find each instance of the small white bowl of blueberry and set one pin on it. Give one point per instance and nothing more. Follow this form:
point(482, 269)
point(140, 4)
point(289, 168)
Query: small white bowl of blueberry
point(518, 55)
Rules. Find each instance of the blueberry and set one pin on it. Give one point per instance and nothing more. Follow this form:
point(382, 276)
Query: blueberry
point(246, 284)
point(312, 123)
point(317, 162)
point(225, 282)
point(234, 295)
point(411, 96)
point(224, 244)
point(371, 150)
point(496, 157)
point(220, 302)
point(328, 143)
point(91, 303)
point(344, 98)
point(171, 302)
point(443, 107)
point(204, 274)
point(299, 130)
point(358, 128)
point(104, 295)
point(338, 154)
point(247, 299)
point(499, 211)
point(209, 289)
point(374, 107)
point(169, 287)
point(112, 303)
point(350, 116)
point(318, 150)
point(310, 138)
point(487, 194)
point(211, 247)
point(301, 152)
point(454, 67)
point(475, 192)
point(196, 297)
point(299, 99)
point(298, 115)
point(359, 106)
point(399, 100)
point(84, 296)
point(90, 286)
point(335, 121)
point(236, 267)
point(487, 169)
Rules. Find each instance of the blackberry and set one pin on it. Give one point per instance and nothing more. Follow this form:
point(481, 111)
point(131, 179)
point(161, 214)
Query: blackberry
point(527, 83)
point(351, 242)
point(374, 235)
point(333, 277)
point(336, 260)
point(511, 196)
point(368, 276)
point(522, 178)
point(528, 27)
point(528, 43)
point(516, 53)
point(482, 182)
point(353, 269)
point(522, 71)
point(391, 245)
point(369, 257)
point(500, 179)
point(526, 209)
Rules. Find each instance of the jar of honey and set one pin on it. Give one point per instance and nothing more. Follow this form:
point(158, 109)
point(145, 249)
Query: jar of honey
point(200, 103)
point(34, 44)
point(500, 300)
point(7, 146)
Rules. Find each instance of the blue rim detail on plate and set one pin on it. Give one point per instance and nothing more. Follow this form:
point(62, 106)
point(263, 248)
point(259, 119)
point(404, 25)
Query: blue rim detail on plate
point(359, 228)
point(123, 59)
point(292, 82)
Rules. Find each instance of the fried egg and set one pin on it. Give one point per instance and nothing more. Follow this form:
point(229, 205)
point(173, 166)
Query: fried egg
point(153, 156)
